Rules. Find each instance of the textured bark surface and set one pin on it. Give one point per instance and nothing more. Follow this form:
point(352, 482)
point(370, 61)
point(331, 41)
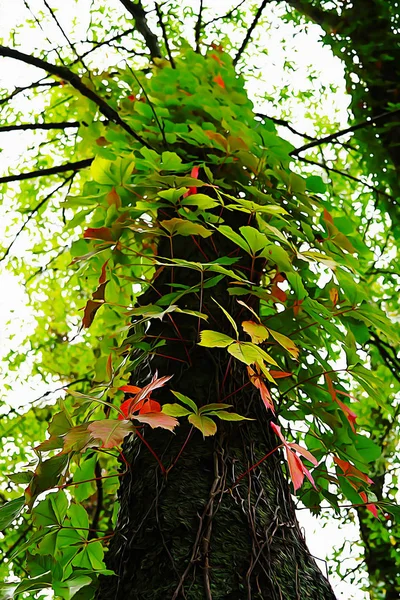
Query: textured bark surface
point(193, 534)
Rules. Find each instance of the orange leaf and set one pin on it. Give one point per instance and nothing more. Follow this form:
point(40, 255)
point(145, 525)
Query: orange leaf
point(280, 374)
point(258, 382)
point(350, 471)
point(113, 198)
point(334, 296)
point(217, 59)
point(219, 81)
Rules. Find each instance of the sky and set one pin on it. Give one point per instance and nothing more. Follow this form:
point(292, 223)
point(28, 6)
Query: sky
point(306, 50)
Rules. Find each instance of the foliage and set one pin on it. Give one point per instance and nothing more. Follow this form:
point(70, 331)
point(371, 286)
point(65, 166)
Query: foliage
point(178, 156)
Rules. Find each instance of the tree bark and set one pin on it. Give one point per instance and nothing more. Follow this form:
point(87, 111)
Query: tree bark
point(193, 533)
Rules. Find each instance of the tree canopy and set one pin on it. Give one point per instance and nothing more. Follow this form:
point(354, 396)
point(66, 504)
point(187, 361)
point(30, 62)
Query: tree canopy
point(214, 295)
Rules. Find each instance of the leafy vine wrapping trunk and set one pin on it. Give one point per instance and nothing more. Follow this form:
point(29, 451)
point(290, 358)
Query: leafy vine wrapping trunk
point(247, 293)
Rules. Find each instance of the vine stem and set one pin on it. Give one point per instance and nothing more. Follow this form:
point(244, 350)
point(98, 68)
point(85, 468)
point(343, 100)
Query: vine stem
point(146, 443)
point(254, 466)
point(181, 450)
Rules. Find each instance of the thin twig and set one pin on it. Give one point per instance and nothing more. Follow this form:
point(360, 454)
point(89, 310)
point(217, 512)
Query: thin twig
point(165, 36)
point(76, 82)
point(226, 16)
point(32, 213)
point(329, 138)
point(70, 44)
point(71, 166)
point(250, 31)
point(344, 174)
point(32, 126)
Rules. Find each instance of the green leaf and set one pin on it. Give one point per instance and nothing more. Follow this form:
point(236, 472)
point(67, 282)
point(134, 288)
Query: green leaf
point(175, 410)
point(213, 407)
point(184, 227)
point(10, 511)
point(204, 424)
point(185, 400)
point(315, 184)
point(214, 339)
point(224, 415)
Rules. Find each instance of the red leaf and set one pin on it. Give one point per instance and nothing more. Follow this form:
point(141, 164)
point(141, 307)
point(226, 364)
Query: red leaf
point(350, 471)
point(192, 190)
point(99, 233)
point(132, 97)
point(279, 374)
point(103, 276)
point(328, 216)
point(142, 407)
point(157, 419)
point(91, 309)
point(110, 432)
point(371, 507)
point(296, 468)
point(296, 307)
point(279, 294)
point(217, 59)
point(141, 402)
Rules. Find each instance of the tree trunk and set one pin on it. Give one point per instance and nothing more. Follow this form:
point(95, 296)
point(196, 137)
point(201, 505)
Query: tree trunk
point(203, 530)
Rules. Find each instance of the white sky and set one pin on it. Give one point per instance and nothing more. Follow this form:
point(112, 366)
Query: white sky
point(15, 318)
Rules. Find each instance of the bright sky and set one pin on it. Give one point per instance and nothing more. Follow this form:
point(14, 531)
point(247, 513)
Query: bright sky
point(306, 51)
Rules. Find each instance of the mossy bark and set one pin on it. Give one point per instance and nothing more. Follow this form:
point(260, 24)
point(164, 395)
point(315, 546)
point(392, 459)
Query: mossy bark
point(205, 530)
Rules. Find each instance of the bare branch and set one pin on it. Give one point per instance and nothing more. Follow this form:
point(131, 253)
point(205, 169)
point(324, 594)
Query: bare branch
point(67, 75)
point(348, 176)
point(71, 166)
point(70, 44)
point(33, 212)
point(32, 126)
point(32, 86)
point(286, 124)
point(97, 45)
point(250, 31)
point(165, 36)
point(226, 16)
point(197, 29)
point(329, 138)
point(138, 13)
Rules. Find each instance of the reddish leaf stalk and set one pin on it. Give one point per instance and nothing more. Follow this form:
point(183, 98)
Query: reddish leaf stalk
point(255, 466)
point(146, 443)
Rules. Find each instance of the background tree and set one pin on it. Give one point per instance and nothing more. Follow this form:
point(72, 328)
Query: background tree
point(256, 231)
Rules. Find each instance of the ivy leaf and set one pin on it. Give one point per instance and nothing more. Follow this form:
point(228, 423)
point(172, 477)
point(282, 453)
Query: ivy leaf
point(158, 419)
point(9, 511)
point(204, 424)
point(110, 432)
point(184, 227)
point(256, 331)
point(285, 342)
point(214, 339)
point(225, 415)
point(185, 400)
point(175, 410)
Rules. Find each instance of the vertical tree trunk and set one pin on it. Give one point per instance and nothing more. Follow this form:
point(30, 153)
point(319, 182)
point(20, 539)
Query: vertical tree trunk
point(203, 531)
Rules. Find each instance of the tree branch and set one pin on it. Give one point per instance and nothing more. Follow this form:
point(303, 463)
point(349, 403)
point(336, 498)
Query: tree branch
point(316, 14)
point(329, 138)
point(250, 31)
point(138, 13)
point(197, 29)
point(226, 16)
point(71, 166)
point(165, 36)
point(344, 174)
point(32, 86)
point(70, 44)
point(31, 126)
point(33, 212)
point(67, 75)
